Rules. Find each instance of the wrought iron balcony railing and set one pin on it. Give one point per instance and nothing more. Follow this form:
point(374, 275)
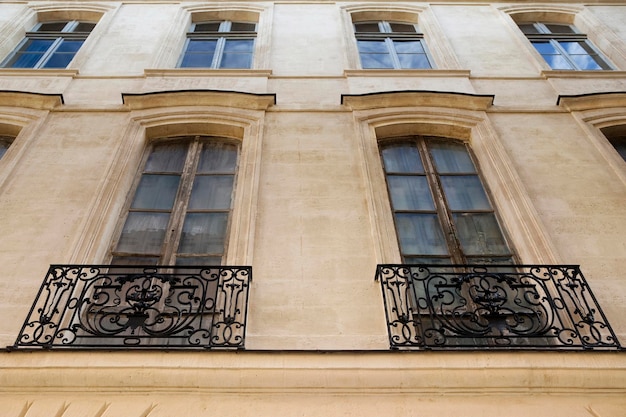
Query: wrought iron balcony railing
point(492, 307)
point(105, 306)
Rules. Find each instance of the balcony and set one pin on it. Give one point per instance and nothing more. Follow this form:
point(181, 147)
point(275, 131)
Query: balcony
point(495, 307)
point(104, 306)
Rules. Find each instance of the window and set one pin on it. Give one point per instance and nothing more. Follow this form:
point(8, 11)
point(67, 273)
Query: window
point(563, 47)
point(219, 44)
point(50, 45)
point(441, 211)
point(5, 142)
point(180, 211)
point(385, 44)
point(617, 137)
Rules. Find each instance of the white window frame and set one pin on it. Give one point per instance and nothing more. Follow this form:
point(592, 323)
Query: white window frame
point(222, 35)
point(66, 33)
point(386, 33)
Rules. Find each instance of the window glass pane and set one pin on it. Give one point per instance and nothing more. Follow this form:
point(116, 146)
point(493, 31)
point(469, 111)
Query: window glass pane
point(480, 234)
point(236, 60)
point(557, 28)
point(414, 61)
point(202, 45)
point(4, 145)
point(371, 27)
point(134, 260)
point(420, 234)
point(376, 61)
point(575, 47)
point(545, 48)
point(372, 46)
point(242, 27)
point(239, 45)
point(217, 157)
point(211, 192)
point(403, 158)
point(84, 27)
point(620, 146)
point(156, 192)
point(167, 157)
point(464, 192)
point(37, 45)
point(586, 62)
point(402, 27)
point(410, 193)
point(404, 47)
point(58, 60)
point(197, 60)
point(69, 46)
point(451, 157)
point(528, 28)
point(558, 62)
point(207, 27)
point(52, 27)
point(203, 233)
point(143, 233)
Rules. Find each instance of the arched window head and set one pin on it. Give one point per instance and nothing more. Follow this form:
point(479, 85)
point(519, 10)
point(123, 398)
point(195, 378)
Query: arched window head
point(441, 209)
point(50, 44)
point(179, 213)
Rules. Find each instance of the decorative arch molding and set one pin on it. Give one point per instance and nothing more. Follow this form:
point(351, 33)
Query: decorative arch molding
point(150, 120)
point(443, 99)
point(539, 12)
point(233, 11)
point(597, 111)
point(90, 12)
point(437, 43)
point(520, 219)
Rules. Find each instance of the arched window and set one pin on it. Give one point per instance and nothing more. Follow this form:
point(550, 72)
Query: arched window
point(393, 45)
point(50, 44)
point(179, 214)
point(219, 44)
point(441, 210)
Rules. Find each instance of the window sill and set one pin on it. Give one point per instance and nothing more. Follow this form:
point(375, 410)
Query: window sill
point(583, 74)
point(407, 73)
point(195, 72)
point(30, 72)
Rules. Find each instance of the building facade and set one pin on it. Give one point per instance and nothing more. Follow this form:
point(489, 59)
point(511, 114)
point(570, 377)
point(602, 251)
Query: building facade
point(312, 208)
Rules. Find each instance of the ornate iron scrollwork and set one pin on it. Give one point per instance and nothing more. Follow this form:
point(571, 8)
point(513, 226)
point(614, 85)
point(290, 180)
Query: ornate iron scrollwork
point(130, 306)
point(492, 307)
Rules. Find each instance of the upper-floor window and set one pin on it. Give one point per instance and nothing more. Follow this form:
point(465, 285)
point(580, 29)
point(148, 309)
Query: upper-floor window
point(617, 137)
point(180, 211)
point(564, 47)
point(441, 210)
point(5, 142)
point(219, 44)
point(384, 44)
point(49, 45)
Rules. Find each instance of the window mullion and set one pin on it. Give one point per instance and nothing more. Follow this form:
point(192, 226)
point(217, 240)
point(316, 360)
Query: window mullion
point(444, 215)
point(564, 53)
point(219, 51)
point(177, 217)
point(392, 53)
point(46, 56)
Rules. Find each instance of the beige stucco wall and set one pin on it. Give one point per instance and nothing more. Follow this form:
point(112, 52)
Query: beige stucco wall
point(315, 219)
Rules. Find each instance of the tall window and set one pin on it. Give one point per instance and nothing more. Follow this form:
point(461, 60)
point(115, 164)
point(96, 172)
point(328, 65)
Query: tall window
point(617, 137)
point(385, 44)
point(5, 142)
point(222, 44)
point(564, 47)
point(180, 211)
point(49, 45)
point(441, 210)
